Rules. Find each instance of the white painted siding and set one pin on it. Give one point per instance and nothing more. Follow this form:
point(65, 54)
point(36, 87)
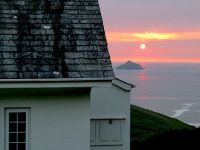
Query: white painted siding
point(112, 103)
point(57, 122)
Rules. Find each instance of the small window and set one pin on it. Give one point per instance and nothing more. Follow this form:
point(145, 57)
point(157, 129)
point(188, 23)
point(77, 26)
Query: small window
point(17, 129)
point(106, 132)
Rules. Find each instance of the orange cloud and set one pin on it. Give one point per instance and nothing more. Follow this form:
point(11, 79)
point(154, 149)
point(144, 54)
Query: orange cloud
point(154, 36)
point(151, 36)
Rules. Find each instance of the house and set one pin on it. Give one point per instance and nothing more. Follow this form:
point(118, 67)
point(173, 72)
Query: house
point(57, 86)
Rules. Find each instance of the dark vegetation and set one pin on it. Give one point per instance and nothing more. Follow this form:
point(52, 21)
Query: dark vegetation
point(155, 131)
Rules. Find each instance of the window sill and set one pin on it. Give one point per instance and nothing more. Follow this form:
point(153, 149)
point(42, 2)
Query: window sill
point(105, 144)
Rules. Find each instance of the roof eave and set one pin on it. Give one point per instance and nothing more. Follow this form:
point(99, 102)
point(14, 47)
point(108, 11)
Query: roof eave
point(56, 83)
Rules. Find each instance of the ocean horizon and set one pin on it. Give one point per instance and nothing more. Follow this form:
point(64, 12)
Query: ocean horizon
point(172, 89)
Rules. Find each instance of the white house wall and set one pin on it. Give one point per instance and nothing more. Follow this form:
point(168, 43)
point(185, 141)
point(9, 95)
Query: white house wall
point(57, 122)
point(113, 103)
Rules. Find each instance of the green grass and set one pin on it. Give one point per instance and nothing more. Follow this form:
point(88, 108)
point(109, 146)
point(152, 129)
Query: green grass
point(146, 124)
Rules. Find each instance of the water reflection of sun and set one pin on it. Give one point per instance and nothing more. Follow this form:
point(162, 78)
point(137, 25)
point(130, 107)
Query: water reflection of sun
point(143, 77)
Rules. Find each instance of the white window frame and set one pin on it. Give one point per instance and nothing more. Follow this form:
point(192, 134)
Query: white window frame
point(97, 139)
point(17, 110)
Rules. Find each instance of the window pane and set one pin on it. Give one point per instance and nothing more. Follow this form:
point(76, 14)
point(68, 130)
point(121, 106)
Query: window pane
point(12, 117)
point(21, 127)
point(12, 137)
point(12, 146)
point(21, 146)
point(16, 129)
point(12, 127)
point(22, 116)
point(21, 137)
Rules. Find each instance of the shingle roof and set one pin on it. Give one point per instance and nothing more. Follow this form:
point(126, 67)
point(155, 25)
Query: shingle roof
point(52, 39)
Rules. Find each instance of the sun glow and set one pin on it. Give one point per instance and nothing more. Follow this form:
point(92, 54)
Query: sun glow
point(142, 46)
point(173, 44)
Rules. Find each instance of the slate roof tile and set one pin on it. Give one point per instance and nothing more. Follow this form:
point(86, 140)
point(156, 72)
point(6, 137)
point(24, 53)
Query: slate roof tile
point(52, 39)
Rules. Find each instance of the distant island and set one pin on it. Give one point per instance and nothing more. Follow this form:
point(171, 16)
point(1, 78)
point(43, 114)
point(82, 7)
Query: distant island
point(129, 65)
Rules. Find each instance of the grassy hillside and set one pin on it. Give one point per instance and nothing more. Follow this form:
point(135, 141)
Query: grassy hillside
point(146, 124)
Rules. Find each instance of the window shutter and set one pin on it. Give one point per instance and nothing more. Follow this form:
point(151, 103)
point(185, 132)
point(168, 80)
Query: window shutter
point(93, 131)
point(106, 131)
point(115, 131)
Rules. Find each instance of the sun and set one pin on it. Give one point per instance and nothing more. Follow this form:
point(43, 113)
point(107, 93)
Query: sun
point(143, 46)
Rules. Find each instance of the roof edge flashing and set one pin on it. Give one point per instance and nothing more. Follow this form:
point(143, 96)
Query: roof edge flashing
point(123, 85)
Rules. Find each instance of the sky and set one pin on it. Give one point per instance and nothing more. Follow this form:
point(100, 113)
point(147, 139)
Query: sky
point(170, 29)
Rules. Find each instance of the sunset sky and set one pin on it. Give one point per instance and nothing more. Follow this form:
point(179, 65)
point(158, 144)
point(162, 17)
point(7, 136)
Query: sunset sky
point(170, 29)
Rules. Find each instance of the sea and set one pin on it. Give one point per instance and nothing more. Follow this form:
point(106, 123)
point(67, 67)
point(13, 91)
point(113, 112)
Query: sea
point(171, 89)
